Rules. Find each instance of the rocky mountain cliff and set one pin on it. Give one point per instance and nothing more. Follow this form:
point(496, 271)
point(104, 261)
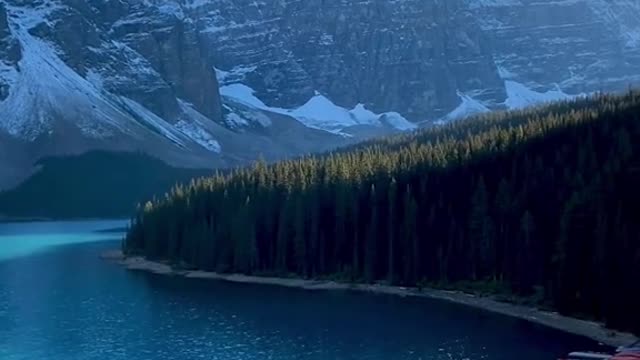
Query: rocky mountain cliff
point(221, 82)
point(422, 58)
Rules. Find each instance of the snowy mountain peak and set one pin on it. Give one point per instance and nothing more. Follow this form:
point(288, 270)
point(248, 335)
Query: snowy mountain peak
point(221, 82)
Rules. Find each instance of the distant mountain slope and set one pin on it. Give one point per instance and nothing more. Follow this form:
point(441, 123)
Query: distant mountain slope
point(69, 83)
point(219, 83)
point(95, 184)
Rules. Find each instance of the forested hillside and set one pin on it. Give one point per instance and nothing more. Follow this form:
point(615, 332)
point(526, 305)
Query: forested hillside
point(96, 184)
point(543, 201)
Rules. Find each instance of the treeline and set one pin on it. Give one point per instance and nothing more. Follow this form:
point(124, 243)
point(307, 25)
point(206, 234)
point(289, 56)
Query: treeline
point(543, 201)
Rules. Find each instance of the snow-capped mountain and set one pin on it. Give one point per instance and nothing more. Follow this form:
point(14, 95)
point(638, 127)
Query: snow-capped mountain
point(221, 82)
point(422, 58)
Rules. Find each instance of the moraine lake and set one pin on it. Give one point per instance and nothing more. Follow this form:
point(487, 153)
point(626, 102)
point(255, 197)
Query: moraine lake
point(59, 301)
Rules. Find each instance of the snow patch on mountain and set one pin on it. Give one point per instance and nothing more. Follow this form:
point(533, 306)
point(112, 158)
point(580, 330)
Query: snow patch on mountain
point(397, 121)
point(190, 128)
point(505, 73)
point(257, 117)
point(147, 118)
point(234, 75)
point(235, 121)
point(468, 107)
point(245, 95)
point(361, 112)
point(319, 112)
point(199, 135)
point(95, 79)
point(45, 88)
point(520, 96)
point(32, 15)
point(198, 127)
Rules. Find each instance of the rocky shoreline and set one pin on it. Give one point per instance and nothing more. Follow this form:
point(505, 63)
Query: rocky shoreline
point(590, 329)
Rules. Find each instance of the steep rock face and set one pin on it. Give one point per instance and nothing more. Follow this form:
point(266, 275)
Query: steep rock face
point(81, 75)
point(408, 56)
point(10, 52)
point(415, 57)
point(172, 46)
point(221, 82)
point(422, 58)
point(137, 51)
point(10, 48)
point(581, 46)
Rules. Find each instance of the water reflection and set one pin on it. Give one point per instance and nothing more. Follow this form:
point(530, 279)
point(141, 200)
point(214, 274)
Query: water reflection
point(22, 239)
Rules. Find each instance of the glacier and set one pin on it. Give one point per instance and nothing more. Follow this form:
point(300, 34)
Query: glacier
point(520, 96)
point(319, 112)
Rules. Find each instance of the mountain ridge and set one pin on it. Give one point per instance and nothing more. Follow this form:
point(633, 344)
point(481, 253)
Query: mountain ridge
point(157, 75)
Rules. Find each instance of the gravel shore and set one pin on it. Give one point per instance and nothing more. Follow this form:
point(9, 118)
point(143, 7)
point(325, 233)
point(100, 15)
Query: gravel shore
point(585, 328)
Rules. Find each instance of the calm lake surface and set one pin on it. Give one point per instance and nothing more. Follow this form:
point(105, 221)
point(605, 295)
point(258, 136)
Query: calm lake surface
point(58, 301)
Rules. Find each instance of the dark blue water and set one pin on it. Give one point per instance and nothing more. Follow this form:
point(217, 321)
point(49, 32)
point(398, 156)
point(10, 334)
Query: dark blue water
point(60, 301)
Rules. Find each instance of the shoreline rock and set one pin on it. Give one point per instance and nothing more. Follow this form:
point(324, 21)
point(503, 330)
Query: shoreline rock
point(589, 329)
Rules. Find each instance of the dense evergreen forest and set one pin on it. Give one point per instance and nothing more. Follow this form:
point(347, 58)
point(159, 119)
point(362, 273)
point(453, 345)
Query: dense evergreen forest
point(542, 202)
point(95, 184)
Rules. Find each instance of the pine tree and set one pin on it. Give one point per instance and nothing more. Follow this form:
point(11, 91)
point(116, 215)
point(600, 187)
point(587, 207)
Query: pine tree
point(481, 230)
point(391, 228)
point(300, 238)
point(410, 236)
point(372, 237)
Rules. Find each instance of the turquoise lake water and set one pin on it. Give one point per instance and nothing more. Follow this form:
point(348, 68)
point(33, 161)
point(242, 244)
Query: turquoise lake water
point(59, 301)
